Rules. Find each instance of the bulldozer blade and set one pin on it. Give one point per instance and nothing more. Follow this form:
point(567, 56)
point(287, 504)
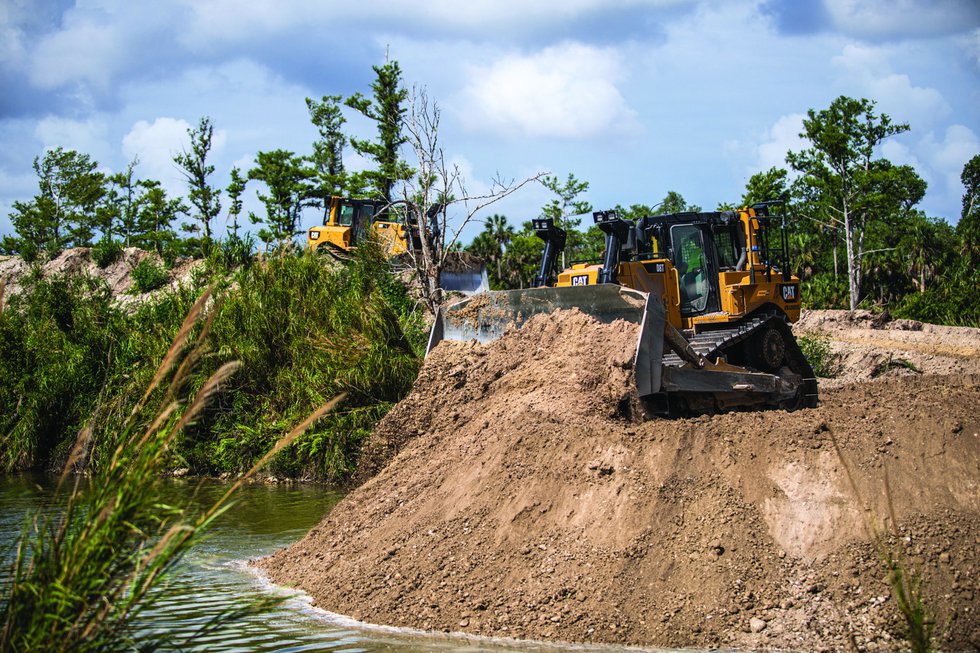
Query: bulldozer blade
point(466, 282)
point(485, 317)
point(464, 273)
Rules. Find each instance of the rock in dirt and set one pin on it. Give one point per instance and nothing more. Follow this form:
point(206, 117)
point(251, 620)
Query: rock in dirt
point(490, 497)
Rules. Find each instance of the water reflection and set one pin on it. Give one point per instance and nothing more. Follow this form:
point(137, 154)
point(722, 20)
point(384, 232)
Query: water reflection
point(214, 575)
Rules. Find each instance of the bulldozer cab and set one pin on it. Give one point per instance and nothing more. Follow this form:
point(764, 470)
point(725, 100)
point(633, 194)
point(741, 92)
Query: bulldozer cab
point(694, 268)
point(359, 215)
point(700, 249)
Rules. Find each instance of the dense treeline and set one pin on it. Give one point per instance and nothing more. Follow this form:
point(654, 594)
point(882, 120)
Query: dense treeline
point(856, 236)
point(303, 329)
point(78, 205)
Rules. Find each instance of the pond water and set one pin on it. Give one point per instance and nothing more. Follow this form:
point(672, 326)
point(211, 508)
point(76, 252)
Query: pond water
point(214, 575)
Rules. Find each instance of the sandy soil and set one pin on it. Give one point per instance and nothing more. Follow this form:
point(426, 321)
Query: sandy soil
point(868, 346)
point(517, 492)
point(118, 275)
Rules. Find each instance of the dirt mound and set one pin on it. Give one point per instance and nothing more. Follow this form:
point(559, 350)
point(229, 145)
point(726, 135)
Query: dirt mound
point(78, 260)
point(525, 499)
point(867, 345)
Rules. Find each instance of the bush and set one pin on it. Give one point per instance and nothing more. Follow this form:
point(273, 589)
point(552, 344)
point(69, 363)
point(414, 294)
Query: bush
point(816, 348)
point(148, 275)
point(823, 291)
point(306, 329)
point(954, 302)
point(59, 340)
point(106, 252)
point(237, 251)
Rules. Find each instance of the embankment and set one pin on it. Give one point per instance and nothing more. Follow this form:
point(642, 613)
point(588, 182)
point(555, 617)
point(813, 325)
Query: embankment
point(519, 494)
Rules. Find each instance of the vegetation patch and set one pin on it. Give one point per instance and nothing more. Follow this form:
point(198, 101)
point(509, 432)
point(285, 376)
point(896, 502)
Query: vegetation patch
point(303, 328)
point(816, 347)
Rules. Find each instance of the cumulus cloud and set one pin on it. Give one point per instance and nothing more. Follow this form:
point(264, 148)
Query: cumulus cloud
point(869, 69)
point(86, 52)
point(85, 136)
point(565, 91)
point(782, 137)
point(155, 144)
point(888, 19)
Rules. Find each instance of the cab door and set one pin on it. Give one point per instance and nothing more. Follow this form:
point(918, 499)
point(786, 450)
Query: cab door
point(696, 268)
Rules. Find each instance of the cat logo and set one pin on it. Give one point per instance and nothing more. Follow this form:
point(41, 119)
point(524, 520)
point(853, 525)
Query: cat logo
point(791, 293)
point(580, 280)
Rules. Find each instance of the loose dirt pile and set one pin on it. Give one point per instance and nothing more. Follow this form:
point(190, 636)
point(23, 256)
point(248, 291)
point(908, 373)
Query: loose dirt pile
point(118, 275)
point(525, 498)
point(868, 345)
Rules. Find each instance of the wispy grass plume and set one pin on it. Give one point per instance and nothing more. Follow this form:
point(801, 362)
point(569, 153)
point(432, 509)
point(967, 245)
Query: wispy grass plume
point(84, 571)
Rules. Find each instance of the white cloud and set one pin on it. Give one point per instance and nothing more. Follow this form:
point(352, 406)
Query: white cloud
point(155, 145)
point(916, 104)
point(565, 91)
point(869, 69)
point(900, 154)
point(782, 137)
point(84, 52)
point(900, 18)
point(85, 136)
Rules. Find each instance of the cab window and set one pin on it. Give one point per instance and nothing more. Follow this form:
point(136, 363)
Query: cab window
point(689, 259)
point(725, 246)
point(346, 215)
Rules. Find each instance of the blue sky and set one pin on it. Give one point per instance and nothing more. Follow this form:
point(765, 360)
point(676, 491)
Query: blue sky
point(637, 97)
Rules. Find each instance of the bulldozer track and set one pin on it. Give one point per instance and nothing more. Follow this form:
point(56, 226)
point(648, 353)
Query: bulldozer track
point(712, 342)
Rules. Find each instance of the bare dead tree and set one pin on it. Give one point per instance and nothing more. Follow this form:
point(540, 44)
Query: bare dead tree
point(438, 202)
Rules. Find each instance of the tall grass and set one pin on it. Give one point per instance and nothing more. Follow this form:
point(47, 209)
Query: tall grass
point(82, 574)
point(57, 346)
point(306, 328)
point(906, 582)
point(303, 329)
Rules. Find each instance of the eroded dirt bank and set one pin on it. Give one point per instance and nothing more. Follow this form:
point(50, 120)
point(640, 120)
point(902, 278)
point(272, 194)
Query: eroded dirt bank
point(523, 498)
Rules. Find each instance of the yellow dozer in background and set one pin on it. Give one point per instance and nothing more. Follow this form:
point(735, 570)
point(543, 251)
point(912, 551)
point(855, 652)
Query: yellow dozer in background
point(351, 221)
point(709, 291)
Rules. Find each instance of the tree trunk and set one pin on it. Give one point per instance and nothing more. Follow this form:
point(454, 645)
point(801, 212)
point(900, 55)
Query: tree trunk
point(853, 264)
point(835, 255)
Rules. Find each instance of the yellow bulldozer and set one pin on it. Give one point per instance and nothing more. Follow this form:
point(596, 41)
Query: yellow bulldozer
point(349, 222)
point(709, 291)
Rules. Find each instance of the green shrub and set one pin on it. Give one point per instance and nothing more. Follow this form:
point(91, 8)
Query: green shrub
point(148, 275)
point(83, 574)
point(305, 329)
point(955, 302)
point(816, 347)
point(824, 291)
point(237, 251)
point(106, 252)
point(59, 342)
